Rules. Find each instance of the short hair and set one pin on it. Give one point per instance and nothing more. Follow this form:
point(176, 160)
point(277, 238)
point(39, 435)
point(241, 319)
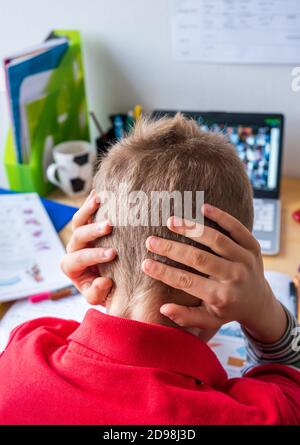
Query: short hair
point(168, 154)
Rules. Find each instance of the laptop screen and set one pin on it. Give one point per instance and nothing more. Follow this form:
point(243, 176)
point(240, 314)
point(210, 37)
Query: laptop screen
point(258, 141)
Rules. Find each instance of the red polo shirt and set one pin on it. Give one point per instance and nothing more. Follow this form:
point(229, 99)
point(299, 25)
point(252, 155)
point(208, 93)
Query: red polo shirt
point(110, 370)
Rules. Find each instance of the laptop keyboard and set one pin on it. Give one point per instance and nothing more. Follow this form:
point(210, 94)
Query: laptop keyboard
point(263, 216)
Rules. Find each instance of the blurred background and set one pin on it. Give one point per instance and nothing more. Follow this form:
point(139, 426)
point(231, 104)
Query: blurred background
point(128, 59)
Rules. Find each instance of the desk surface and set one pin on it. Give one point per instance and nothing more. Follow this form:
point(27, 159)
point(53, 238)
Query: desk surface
point(287, 261)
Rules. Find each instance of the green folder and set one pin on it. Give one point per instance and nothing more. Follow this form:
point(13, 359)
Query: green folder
point(60, 115)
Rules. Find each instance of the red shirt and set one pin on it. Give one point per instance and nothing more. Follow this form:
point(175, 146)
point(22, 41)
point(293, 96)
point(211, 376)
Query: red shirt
point(110, 370)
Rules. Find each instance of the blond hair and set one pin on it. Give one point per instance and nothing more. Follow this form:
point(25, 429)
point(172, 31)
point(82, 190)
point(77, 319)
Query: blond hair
point(168, 154)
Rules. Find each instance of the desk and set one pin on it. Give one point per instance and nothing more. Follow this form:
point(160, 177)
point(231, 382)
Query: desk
point(287, 261)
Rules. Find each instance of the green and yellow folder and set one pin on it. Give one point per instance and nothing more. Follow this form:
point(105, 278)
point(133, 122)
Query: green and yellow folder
point(57, 115)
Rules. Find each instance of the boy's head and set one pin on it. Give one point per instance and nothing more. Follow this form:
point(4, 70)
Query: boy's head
point(170, 154)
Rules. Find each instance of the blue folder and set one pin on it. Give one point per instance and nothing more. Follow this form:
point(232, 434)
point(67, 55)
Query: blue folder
point(16, 73)
point(60, 214)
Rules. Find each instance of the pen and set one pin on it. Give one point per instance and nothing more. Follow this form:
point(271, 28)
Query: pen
point(97, 123)
point(118, 127)
point(137, 111)
point(296, 282)
point(54, 295)
point(293, 296)
point(129, 121)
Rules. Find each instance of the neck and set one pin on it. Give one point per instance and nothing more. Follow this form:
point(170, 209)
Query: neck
point(146, 308)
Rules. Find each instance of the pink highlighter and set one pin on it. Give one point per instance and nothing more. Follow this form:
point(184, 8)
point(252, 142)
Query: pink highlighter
point(54, 295)
point(296, 216)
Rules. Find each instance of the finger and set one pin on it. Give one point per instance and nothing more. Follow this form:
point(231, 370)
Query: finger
point(74, 263)
point(198, 259)
point(234, 227)
point(85, 279)
point(191, 317)
point(87, 233)
point(207, 236)
point(190, 283)
point(85, 212)
point(97, 291)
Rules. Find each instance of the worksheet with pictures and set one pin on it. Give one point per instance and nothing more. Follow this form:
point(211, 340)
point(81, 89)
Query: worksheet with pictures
point(30, 249)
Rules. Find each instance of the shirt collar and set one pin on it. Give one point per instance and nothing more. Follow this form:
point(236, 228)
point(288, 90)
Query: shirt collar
point(150, 345)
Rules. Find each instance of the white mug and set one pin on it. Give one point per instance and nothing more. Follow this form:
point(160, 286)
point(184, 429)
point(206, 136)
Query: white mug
point(72, 170)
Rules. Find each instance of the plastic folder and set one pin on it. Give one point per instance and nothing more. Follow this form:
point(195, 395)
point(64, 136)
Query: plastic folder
point(59, 115)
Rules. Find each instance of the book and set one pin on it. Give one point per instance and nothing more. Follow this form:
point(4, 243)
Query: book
point(60, 214)
point(30, 249)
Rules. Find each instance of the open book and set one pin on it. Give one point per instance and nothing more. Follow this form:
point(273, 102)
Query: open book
point(30, 249)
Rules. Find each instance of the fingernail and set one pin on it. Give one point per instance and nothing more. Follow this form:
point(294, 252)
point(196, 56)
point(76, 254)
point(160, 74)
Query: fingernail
point(208, 208)
point(147, 265)
point(91, 194)
point(108, 253)
point(102, 225)
point(176, 221)
point(164, 312)
point(154, 243)
point(85, 286)
point(97, 199)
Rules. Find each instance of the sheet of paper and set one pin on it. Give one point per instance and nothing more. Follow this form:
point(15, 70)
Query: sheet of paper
point(280, 284)
point(72, 308)
point(30, 249)
point(229, 346)
point(228, 343)
point(235, 31)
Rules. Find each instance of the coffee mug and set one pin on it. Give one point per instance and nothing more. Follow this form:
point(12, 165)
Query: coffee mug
point(72, 170)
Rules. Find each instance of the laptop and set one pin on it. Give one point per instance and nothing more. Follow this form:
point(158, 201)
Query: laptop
point(258, 138)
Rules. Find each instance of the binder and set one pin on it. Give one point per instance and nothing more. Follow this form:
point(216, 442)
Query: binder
point(61, 115)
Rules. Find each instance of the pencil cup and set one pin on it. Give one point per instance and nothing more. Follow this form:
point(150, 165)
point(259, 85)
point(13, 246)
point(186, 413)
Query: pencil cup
point(72, 170)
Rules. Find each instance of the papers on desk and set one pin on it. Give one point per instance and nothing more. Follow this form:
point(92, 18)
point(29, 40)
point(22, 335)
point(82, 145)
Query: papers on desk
point(228, 344)
point(70, 308)
point(30, 249)
point(235, 31)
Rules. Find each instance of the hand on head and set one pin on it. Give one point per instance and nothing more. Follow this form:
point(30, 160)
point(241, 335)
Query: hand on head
point(79, 264)
point(235, 288)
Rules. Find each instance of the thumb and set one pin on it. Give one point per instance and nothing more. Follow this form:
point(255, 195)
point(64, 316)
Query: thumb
point(191, 316)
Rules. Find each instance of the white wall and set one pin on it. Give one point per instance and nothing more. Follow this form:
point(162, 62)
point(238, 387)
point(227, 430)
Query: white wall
point(128, 59)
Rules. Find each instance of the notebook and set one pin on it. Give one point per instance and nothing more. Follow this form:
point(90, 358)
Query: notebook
point(60, 214)
point(30, 249)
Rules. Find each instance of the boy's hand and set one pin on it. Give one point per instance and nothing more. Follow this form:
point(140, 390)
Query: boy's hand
point(236, 288)
point(81, 257)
